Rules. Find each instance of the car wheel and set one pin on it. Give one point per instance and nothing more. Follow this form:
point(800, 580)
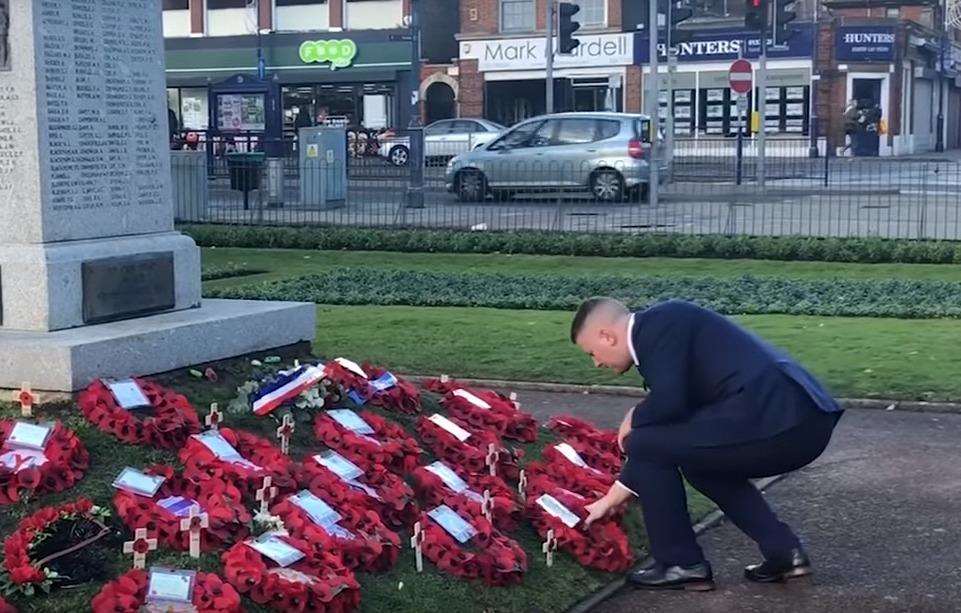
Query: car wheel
point(399, 155)
point(607, 186)
point(471, 186)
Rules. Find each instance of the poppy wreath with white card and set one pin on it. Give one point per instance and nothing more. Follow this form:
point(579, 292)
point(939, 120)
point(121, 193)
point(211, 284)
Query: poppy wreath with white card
point(128, 593)
point(598, 446)
point(487, 554)
point(466, 447)
point(258, 458)
point(165, 424)
point(387, 444)
point(318, 581)
point(26, 471)
point(603, 546)
point(375, 385)
point(375, 488)
point(487, 409)
point(570, 465)
point(433, 485)
point(161, 514)
point(358, 535)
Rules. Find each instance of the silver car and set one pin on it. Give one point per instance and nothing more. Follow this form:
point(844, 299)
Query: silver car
point(606, 154)
point(443, 140)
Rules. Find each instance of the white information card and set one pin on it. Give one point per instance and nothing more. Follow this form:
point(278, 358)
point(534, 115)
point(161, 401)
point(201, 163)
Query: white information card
point(554, 507)
point(127, 393)
point(458, 432)
point(137, 482)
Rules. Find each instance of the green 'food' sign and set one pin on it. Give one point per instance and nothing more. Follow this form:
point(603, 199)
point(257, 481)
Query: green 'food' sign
point(340, 53)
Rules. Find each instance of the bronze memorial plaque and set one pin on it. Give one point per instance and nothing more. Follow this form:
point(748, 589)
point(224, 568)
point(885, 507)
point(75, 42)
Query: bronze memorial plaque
point(127, 286)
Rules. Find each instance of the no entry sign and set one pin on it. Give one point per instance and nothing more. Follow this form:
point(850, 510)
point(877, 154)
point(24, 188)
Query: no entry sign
point(740, 76)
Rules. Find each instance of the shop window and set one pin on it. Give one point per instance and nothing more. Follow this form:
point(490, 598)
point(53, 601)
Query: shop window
point(592, 13)
point(517, 15)
point(684, 115)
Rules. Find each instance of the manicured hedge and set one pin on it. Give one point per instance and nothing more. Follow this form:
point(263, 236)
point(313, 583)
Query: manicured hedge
point(741, 295)
point(870, 250)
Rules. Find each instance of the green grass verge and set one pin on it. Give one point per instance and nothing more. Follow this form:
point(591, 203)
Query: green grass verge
point(855, 357)
point(401, 590)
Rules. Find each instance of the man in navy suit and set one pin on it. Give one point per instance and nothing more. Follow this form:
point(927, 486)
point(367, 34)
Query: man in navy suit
point(723, 407)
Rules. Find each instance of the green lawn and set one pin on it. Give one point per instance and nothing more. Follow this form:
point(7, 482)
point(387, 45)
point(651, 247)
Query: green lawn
point(862, 357)
point(280, 263)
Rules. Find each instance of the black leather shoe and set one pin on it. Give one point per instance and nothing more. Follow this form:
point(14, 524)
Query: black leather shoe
point(697, 578)
point(794, 563)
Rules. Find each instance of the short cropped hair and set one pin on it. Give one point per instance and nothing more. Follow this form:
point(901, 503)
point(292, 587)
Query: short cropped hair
point(587, 308)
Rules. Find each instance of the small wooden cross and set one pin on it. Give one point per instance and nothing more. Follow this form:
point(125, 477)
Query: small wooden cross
point(26, 398)
point(549, 547)
point(194, 523)
point(215, 416)
point(139, 547)
point(445, 378)
point(491, 458)
point(266, 494)
point(284, 432)
point(487, 506)
point(522, 484)
point(416, 541)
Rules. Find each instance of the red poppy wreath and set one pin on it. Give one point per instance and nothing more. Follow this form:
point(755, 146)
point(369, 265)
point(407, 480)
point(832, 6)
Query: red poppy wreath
point(170, 421)
point(487, 554)
point(366, 485)
point(374, 385)
point(21, 474)
point(221, 500)
point(388, 444)
point(128, 593)
point(485, 409)
point(433, 484)
point(244, 462)
point(319, 581)
point(602, 442)
point(467, 447)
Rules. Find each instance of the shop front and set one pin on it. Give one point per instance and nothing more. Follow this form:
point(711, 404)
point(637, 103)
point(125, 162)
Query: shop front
point(699, 87)
point(512, 76)
point(355, 79)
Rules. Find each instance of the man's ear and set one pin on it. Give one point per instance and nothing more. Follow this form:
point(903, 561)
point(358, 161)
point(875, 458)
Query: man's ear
point(608, 336)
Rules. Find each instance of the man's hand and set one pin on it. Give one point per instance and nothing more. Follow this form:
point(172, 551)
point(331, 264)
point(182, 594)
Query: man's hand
point(597, 510)
point(624, 430)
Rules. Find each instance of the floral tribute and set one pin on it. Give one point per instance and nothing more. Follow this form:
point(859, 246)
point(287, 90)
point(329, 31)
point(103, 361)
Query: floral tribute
point(506, 512)
point(317, 582)
point(221, 500)
point(359, 537)
point(374, 385)
point(25, 574)
point(576, 474)
point(170, 421)
point(377, 489)
point(485, 409)
point(259, 458)
point(128, 593)
point(488, 555)
point(389, 445)
point(21, 476)
point(603, 546)
point(599, 446)
point(470, 454)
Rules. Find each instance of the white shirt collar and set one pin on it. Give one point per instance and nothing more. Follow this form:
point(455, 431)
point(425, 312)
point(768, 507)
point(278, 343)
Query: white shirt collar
point(630, 340)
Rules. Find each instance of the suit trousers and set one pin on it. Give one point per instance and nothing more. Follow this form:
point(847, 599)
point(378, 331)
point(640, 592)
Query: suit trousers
point(659, 454)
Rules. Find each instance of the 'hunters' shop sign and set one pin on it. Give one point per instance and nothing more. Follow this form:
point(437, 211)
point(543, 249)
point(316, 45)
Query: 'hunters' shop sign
point(865, 43)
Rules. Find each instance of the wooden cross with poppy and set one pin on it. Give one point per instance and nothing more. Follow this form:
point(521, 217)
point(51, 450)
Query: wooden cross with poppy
point(265, 494)
point(215, 416)
point(522, 484)
point(26, 398)
point(549, 547)
point(285, 432)
point(139, 547)
point(194, 522)
point(487, 506)
point(491, 458)
point(416, 542)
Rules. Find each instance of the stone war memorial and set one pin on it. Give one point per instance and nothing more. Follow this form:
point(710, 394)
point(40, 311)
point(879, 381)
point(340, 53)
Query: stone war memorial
point(94, 280)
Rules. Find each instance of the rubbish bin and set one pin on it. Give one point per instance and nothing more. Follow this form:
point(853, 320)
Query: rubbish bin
point(244, 170)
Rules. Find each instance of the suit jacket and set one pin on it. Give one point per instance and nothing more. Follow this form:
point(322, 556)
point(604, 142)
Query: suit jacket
point(726, 383)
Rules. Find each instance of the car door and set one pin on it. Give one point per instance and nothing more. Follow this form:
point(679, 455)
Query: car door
point(507, 158)
point(572, 149)
point(435, 136)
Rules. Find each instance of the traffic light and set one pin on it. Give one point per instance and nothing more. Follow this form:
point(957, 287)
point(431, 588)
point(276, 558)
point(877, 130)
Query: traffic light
point(784, 14)
point(567, 26)
point(755, 15)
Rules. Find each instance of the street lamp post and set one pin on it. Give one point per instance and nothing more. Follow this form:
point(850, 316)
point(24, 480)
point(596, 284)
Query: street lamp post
point(415, 194)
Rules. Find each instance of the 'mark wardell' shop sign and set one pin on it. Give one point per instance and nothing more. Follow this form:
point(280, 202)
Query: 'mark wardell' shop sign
point(528, 53)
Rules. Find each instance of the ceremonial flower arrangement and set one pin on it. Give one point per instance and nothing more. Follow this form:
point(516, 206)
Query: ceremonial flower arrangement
point(584, 479)
point(488, 555)
point(604, 452)
point(360, 538)
point(66, 462)
point(128, 593)
point(258, 459)
point(485, 409)
point(301, 387)
point(26, 557)
point(317, 582)
point(506, 512)
point(377, 489)
point(374, 385)
point(221, 500)
point(170, 421)
point(603, 546)
point(389, 445)
point(472, 452)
